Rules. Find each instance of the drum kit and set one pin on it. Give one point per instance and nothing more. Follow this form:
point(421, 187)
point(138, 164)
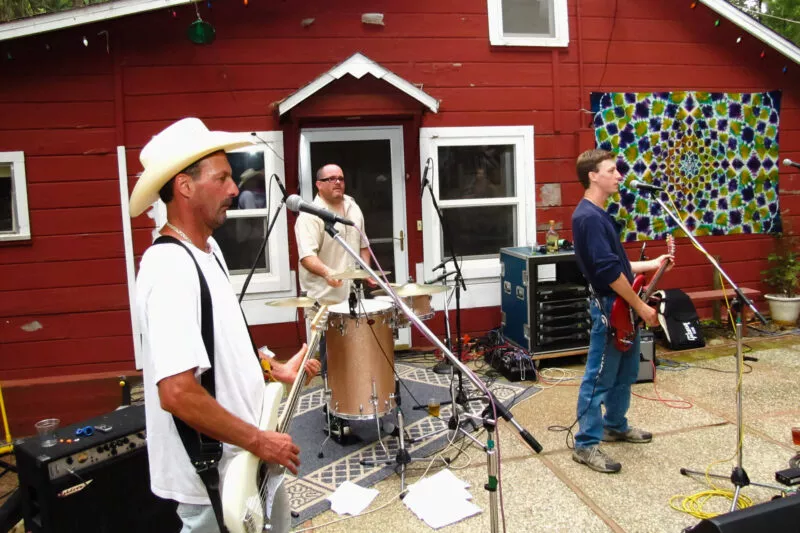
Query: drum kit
point(359, 345)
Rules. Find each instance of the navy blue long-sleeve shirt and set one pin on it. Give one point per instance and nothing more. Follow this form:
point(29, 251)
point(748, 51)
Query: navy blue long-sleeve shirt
point(598, 249)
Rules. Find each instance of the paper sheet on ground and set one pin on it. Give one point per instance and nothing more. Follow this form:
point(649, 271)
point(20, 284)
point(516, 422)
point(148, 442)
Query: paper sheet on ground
point(350, 498)
point(440, 500)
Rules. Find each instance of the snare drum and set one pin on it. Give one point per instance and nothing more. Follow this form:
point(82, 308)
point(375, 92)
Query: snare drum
point(361, 360)
point(421, 305)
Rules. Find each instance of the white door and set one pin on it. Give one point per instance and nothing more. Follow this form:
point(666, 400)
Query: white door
point(372, 161)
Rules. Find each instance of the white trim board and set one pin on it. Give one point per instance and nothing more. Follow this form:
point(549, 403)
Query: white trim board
point(130, 270)
point(358, 65)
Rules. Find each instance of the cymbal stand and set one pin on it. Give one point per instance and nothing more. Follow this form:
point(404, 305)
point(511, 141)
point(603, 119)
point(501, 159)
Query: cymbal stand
point(738, 476)
point(496, 408)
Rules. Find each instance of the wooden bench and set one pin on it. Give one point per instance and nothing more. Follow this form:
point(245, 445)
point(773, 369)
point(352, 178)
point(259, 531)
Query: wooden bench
point(716, 295)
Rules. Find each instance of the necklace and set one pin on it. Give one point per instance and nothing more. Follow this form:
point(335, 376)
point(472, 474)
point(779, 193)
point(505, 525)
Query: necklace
point(178, 231)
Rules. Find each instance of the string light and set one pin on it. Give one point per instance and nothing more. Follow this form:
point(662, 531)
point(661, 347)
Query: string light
point(785, 69)
point(738, 40)
point(763, 54)
point(85, 41)
point(717, 23)
point(693, 5)
point(174, 14)
point(9, 56)
point(245, 3)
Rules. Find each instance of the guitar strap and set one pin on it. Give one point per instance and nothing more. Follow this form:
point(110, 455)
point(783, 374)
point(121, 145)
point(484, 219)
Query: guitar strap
point(204, 452)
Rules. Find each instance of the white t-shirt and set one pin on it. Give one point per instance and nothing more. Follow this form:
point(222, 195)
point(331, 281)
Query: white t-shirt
point(168, 298)
point(312, 239)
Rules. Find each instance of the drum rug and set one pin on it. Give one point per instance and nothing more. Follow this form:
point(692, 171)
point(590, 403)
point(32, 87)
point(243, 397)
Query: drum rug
point(319, 477)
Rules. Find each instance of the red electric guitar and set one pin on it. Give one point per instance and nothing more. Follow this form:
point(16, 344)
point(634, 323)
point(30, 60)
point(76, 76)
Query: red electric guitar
point(624, 319)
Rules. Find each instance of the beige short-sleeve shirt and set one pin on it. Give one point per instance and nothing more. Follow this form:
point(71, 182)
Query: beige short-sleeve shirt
point(312, 239)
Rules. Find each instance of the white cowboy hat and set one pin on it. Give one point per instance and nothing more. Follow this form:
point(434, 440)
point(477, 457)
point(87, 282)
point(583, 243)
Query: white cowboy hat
point(171, 151)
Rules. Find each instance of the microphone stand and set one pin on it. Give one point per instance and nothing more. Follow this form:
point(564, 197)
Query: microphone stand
point(443, 367)
point(738, 476)
point(261, 249)
point(491, 413)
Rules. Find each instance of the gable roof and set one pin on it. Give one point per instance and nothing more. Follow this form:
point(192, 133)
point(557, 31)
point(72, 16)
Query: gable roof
point(80, 16)
point(358, 65)
point(755, 28)
point(121, 8)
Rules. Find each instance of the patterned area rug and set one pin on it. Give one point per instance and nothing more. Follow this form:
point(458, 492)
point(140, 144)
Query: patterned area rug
point(319, 477)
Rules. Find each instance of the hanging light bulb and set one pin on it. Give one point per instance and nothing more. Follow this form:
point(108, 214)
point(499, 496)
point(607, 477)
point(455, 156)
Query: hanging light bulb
point(201, 32)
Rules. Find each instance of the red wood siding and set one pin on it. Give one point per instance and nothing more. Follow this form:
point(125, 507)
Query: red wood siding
point(69, 107)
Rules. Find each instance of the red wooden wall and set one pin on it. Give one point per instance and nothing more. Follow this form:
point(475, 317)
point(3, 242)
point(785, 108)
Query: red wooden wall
point(68, 107)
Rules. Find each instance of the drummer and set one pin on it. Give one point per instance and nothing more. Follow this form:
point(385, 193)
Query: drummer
point(320, 256)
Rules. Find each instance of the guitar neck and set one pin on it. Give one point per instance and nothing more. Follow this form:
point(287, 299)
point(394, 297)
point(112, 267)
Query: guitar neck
point(294, 393)
point(652, 287)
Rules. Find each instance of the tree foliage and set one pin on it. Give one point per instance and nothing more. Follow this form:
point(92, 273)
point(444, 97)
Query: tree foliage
point(773, 13)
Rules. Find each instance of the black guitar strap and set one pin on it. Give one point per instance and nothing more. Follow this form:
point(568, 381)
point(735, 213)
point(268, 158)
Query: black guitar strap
point(203, 451)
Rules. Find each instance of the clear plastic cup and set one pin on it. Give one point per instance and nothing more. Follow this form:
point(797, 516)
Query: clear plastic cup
point(433, 407)
point(47, 431)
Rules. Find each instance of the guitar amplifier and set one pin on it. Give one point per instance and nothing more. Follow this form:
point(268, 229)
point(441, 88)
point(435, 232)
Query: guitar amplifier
point(544, 301)
point(647, 349)
point(99, 483)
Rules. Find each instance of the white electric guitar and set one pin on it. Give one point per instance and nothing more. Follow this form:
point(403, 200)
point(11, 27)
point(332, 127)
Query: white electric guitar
point(249, 483)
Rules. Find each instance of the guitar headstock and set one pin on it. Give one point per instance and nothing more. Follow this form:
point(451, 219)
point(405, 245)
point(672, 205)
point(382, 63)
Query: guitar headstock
point(670, 244)
point(320, 321)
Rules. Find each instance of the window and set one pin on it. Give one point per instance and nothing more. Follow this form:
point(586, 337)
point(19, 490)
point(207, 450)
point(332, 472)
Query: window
point(242, 234)
point(528, 23)
point(14, 224)
point(484, 185)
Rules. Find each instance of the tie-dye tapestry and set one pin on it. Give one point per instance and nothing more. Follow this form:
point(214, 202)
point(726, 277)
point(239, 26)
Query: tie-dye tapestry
point(715, 155)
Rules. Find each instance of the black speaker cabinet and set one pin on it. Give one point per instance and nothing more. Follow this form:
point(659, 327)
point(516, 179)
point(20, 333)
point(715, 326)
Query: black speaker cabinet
point(99, 483)
point(776, 516)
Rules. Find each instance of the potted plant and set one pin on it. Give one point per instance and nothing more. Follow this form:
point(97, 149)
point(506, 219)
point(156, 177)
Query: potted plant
point(783, 277)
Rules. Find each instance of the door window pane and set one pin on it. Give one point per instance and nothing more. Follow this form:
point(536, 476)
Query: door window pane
point(367, 168)
point(527, 16)
point(479, 232)
point(483, 171)
point(6, 199)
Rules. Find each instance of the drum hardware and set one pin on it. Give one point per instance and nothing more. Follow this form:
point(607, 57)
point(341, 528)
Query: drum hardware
point(489, 416)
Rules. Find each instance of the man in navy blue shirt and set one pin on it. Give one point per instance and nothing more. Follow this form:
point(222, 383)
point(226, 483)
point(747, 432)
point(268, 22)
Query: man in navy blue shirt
point(609, 372)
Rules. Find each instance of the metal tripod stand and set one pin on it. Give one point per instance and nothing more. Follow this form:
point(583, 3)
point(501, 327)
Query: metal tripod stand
point(738, 476)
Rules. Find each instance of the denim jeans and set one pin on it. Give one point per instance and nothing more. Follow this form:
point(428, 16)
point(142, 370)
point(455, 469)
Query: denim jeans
point(607, 380)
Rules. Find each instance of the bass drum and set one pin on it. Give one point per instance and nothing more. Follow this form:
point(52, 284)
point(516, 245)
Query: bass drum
point(361, 360)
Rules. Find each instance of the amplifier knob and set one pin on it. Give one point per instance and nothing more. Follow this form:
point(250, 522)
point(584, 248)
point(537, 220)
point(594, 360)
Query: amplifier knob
point(69, 460)
point(131, 446)
point(83, 457)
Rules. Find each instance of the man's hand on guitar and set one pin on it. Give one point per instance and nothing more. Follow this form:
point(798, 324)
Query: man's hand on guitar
point(658, 261)
point(648, 314)
point(278, 448)
point(287, 372)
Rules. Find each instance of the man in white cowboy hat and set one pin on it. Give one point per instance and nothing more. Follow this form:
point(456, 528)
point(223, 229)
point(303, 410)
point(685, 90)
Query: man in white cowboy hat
point(319, 255)
point(187, 167)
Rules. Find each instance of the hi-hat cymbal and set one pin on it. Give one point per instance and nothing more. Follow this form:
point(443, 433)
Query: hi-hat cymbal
point(381, 292)
point(415, 289)
point(298, 301)
point(354, 273)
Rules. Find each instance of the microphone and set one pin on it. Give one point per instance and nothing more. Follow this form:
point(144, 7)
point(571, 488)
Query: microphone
point(296, 204)
point(281, 187)
point(790, 163)
point(644, 186)
point(440, 265)
point(425, 178)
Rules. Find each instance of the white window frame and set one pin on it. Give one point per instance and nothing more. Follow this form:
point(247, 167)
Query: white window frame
point(479, 271)
point(560, 23)
point(280, 281)
point(21, 218)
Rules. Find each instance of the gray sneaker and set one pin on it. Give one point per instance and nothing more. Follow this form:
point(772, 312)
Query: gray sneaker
point(632, 435)
point(596, 459)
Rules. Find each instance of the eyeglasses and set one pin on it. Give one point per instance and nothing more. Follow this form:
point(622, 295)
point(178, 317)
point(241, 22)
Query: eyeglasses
point(333, 179)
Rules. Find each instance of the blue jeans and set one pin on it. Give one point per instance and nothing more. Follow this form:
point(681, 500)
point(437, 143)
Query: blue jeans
point(607, 380)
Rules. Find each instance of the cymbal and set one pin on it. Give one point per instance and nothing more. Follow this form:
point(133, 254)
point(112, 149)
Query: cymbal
point(298, 301)
point(381, 292)
point(415, 289)
point(354, 273)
